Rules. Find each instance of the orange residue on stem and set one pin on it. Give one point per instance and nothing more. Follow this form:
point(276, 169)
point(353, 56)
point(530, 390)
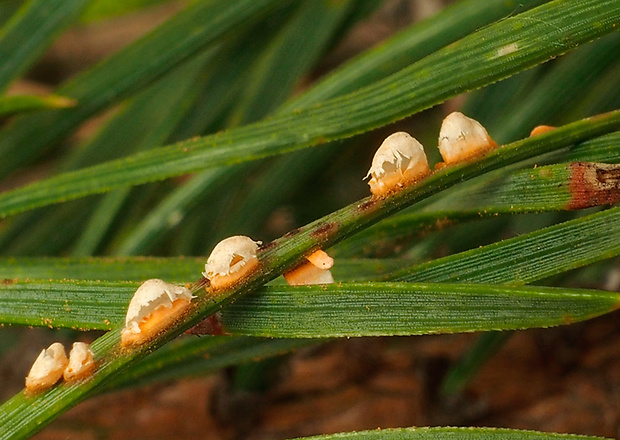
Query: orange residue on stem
point(540, 129)
point(321, 260)
point(155, 323)
point(222, 282)
point(307, 274)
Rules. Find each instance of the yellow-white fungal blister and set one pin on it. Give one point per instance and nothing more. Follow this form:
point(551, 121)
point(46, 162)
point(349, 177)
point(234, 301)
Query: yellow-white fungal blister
point(399, 161)
point(230, 261)
point(81, 363)
point(155, 306)
point(314, 271)
point(47, 368)
point(462, 138)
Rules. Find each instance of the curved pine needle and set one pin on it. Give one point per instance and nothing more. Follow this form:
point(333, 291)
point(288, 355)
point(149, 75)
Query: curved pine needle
point(441, 433)
point(37, 22)
point(128, 70)
point(532, 190)
point(21, 416)
point(343, 309)
point(525, 259)
point(10, 105)
point(507, 47)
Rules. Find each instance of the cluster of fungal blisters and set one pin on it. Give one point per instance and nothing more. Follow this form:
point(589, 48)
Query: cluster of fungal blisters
point(400, 160)
point(157, 304)
point(53, 364)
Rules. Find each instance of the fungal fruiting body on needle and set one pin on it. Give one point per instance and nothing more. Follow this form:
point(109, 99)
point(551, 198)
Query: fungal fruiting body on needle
point(314, 271)
point(231, 260)
point(321, 260)
point(540, 129)
point(155, 306)
point(399, 161)
point(47, 369)
point(462, 138)
point(81, 363)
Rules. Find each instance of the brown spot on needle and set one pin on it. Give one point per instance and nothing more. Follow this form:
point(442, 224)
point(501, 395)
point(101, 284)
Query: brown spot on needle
point(325, 230)
point(368, 205)
point(212, 325)
point(593, 184)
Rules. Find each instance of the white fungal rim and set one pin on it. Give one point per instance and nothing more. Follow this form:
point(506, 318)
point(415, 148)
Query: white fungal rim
point(150, 296)
point(230, 256)
point(398, 153)
point(461, 137)
point(399, 162)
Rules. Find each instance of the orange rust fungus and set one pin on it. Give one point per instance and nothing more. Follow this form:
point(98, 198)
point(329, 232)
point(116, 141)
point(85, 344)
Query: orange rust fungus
point(307, 274)
point(593, 184)
point(568, 319)
point(321, 260)
point(81, 363)
point(313, 271)
point(440, 165)
point(155, 323)
point(222, 282)
point(540, 129)
point(231, 261)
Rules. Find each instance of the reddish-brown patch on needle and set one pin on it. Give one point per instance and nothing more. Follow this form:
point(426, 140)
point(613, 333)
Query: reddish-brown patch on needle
point(593, 184)
point(265, 247)
point(368, 205)
point(325, 230)
point(209, 326)
point(292, 232)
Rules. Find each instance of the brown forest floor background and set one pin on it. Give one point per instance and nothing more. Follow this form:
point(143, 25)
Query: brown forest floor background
point(563, 380)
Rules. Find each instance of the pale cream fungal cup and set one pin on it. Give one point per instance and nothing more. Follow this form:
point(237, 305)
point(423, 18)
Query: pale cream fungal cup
point(399, 162)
